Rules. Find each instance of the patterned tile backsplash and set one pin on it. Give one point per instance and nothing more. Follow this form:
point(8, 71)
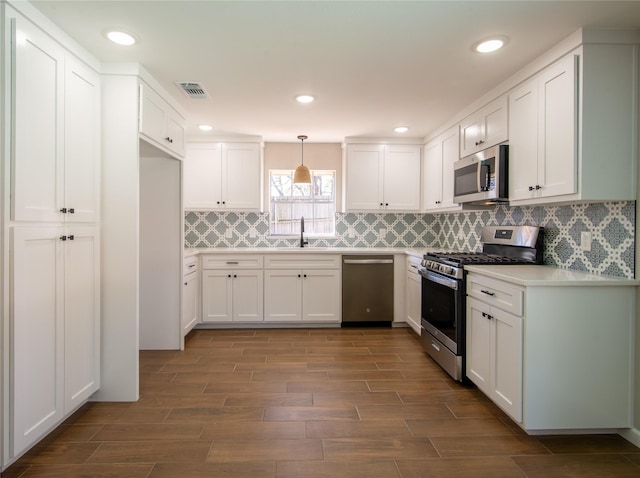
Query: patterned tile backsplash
point(612, 225)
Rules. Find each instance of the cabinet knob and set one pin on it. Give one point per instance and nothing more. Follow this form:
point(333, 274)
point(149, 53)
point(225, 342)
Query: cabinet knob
point(169, 139)
point(235, 276)
point(224, 202)
point(304, 275)
point(386, 204)
point(299, 275)
point(218, 202)
point(530, 188)
point(229, 276)
point(381, 204)
point(538, 186)
point(72, 210)
point(71, 237)
point(63, 210)
point(479, 142)
point(63, 238)
point(185, 283)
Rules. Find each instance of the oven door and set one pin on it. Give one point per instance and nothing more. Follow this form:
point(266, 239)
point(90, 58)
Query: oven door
point(442, 309)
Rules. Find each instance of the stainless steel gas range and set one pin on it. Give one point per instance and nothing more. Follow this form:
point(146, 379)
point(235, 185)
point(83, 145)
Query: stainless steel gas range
point(444, 288)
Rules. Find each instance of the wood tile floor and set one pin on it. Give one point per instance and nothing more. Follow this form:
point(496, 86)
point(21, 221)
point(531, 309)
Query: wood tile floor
point(309, 403)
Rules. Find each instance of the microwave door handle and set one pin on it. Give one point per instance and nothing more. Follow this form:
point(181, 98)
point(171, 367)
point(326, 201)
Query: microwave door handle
point(484, 170)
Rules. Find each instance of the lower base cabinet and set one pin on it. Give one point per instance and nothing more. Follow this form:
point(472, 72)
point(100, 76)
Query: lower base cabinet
point(494, 355)
point(232, 295)
point(413, 292)
point(302, 295)
point(553, 357)
point(55, 350)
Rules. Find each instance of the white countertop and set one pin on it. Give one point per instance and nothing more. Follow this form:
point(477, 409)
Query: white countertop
point(546, 276)
point(417, 252)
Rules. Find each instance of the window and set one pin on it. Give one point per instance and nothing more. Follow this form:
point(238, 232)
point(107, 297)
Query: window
point(316, 202)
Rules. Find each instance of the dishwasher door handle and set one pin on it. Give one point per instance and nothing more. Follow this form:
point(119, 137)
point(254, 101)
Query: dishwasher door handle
point(368, 261)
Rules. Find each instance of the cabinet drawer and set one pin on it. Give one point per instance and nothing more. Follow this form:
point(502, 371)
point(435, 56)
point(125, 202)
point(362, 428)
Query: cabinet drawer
point(244, 261)
point(190, 265)
point(413, 265)
point(302, 261)
point(496, 293)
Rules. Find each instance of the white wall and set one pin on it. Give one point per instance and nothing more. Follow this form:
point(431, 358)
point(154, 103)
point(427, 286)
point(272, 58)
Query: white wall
point(119, 239)
point(161, 247)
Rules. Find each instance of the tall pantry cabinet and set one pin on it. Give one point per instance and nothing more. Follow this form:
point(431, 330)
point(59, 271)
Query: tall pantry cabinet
point(50, 232)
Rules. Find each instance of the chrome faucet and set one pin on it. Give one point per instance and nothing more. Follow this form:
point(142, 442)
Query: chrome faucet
point(302, 241)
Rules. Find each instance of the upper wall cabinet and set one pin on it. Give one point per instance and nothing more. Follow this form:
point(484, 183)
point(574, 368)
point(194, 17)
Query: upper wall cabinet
point(160, 123)
point(222, 176)
point(439, 156)
point(57, 100)
point(571, 128)
point(485, 128)
point(383, 177)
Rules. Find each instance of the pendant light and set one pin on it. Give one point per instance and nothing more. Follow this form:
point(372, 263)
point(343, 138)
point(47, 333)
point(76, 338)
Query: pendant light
point(302, 174)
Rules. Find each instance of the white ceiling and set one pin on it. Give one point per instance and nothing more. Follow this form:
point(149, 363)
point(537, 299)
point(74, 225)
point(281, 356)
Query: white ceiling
point(372, 65)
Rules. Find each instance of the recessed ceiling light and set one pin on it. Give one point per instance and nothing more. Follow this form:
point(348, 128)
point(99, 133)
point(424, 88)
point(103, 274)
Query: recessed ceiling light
point(490, 44)
point(205, 127)
point(401, 129)
point(121, 38)
point(304, 98)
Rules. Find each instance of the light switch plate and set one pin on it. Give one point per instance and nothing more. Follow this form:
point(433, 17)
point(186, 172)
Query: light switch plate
point(585, 241)
point(352, 232)
point(228, 234)
point(252, 233)
point(383, 231)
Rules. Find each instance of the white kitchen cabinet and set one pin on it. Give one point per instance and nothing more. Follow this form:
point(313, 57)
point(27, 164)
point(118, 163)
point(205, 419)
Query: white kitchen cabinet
point(494, 355)
point(232, 295)
point(302, 288)
point(484, 128)
point(160, 124)
point(383, 177)
point(55, 321)
point(543, 128)
point(232, 288)
point(413, 293)
point(190, 294)
point(534, 349)
point(57, 101)
point(439, 158)
point(222, 176)
point(560, 148)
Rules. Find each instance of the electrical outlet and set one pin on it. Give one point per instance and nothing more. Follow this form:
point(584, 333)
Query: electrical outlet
point(383, 231)
point(228, 234)
point(585, 241)
point(252, 233)
point(461, 235)
point(352, 232)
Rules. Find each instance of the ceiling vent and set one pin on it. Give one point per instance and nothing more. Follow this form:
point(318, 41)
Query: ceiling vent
point(191, 89)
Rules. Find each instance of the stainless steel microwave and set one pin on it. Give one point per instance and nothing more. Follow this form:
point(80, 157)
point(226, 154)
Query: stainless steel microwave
point(482, 177)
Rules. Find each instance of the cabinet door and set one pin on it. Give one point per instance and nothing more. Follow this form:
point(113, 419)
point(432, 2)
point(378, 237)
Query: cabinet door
point(217, 299)
point(557, 169)
point(523, 140)
point(402, 178)
point(450, 154)
point(81, 315)
point(479, 330)
point(190, 302)
point(507, 362)
point(495, 123)
point(432, 197)
point(38, 333)
point(37, 161)
point(153, 115)
point(364, 180)
point(413, 300)
point(176, 132)
point(321, 295)
point(282, 295)
point(470, 135)
point(241, 176)
point(248, 296)
point(82, 142)
point(201, 176)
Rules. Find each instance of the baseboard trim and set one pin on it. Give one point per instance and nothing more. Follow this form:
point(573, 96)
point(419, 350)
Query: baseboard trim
point(632, 435)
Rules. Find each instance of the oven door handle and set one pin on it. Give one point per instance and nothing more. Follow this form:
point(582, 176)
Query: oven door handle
point(437, 278)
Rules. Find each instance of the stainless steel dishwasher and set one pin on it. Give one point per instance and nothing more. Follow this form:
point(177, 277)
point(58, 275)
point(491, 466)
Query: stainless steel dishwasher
point(367, 290)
